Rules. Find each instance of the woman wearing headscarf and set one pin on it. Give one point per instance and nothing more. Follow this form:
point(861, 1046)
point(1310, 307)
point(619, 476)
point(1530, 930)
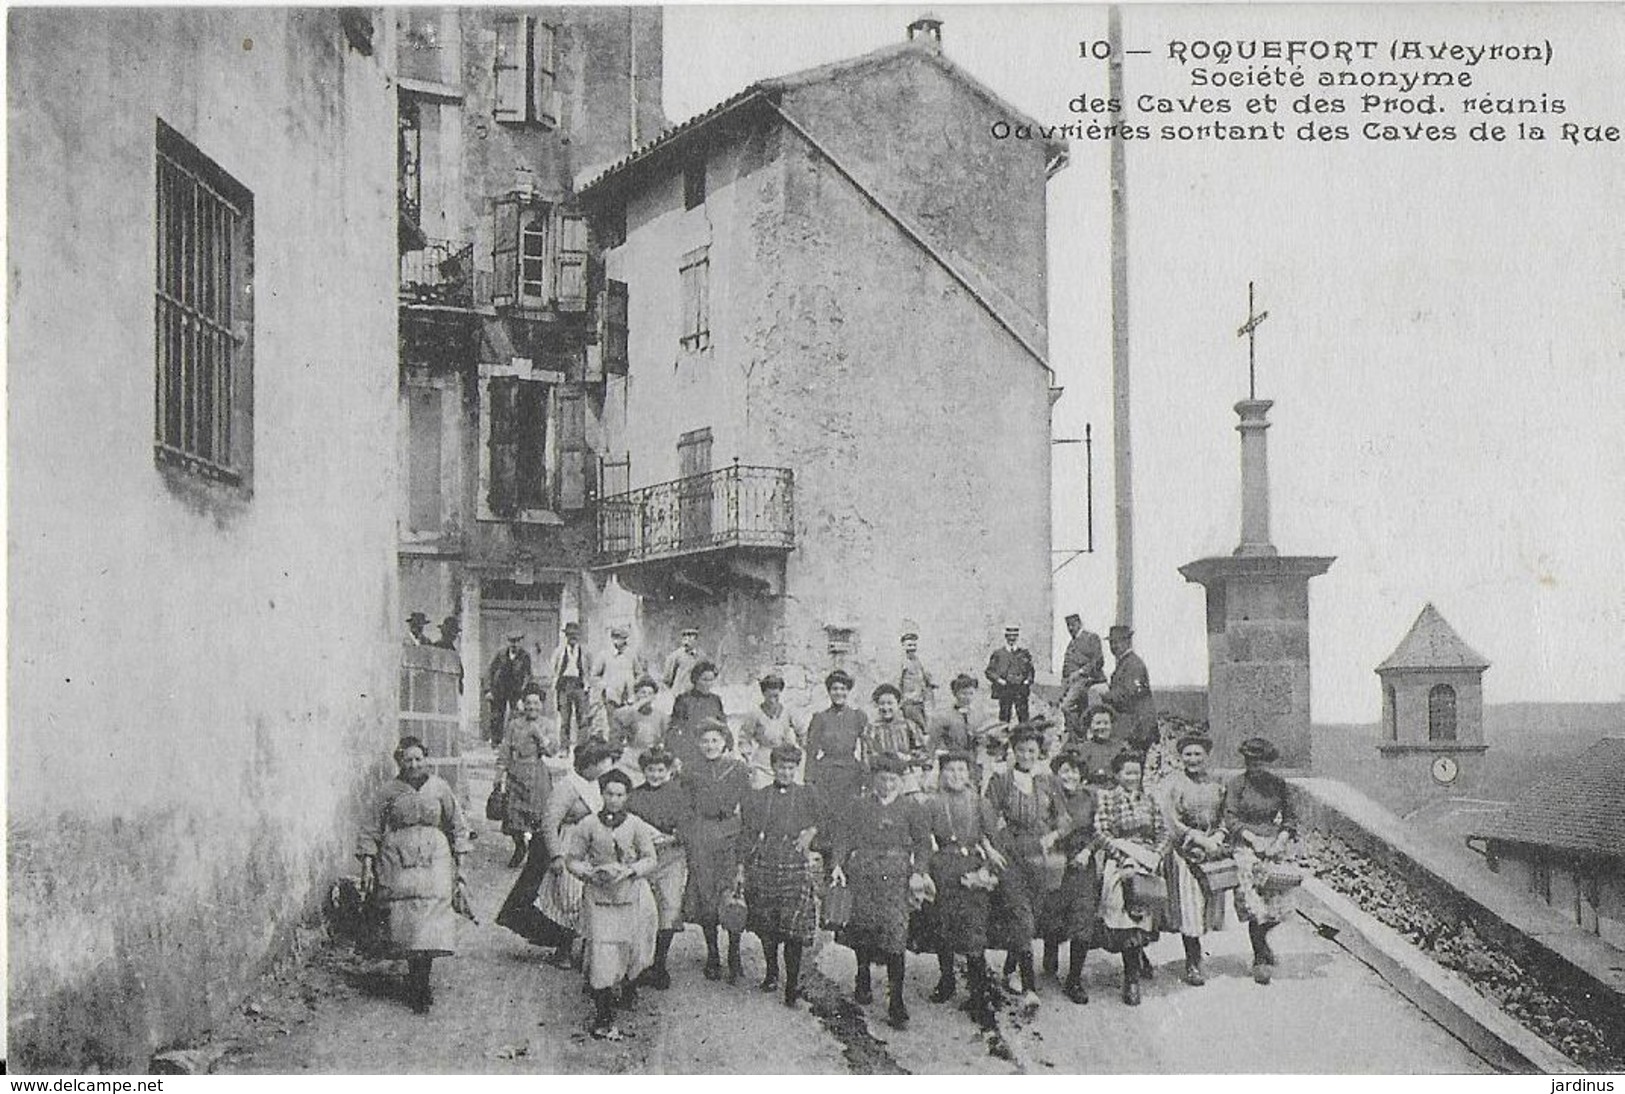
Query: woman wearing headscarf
point(669, 811)
point(1136, 837)
point(766, 727)
point(691, 710)
point(1262, 824)
point(612, 853)
point(835, 750)
point(1193, 804)
point(963, 824)
point(575, 798)
point(716, 784)
point(885, 849)
point(1068, 913)
point(778, 827)
point(411, 848)
point(531, 737)
point(1024, 800)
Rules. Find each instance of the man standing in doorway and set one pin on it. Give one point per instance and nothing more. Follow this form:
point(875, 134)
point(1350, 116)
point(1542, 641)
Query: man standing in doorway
point(504, 682)
point(1129, 692)
point(682, 660)
point(1082, 667)
point(914, 682)
point(1010, 671)
point(570, 671)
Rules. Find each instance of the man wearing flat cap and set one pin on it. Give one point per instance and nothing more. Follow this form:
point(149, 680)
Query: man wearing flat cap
point(572, 666)
point(1010, 671)
point(1082, 666)
point(505, 681)
point(616, 674)
point(681, 661)
point(1129, 691)
point(914, 681)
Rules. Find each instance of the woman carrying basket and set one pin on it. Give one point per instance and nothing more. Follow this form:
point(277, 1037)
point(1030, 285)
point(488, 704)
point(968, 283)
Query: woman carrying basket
point(1259, 817)
point(1137, 838)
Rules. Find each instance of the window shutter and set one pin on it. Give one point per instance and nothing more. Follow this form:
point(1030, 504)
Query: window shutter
point(530, 445)
point(508, 103)
point(544, 107)
point(614, 331)
point(571, 257)
point(572, 450)
point(503, 449)
point(505, 250)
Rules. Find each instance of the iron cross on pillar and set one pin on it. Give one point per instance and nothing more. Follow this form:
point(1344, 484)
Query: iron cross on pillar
point(1247, 328)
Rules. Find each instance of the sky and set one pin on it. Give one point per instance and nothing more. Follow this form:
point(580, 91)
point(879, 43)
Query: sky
point(1445, 343)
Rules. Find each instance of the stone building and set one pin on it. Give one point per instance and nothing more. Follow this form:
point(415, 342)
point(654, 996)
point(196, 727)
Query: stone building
point(1432, 710)
point(834, 413)
point(1563, 840)
point(504, 351)
point(201, 399)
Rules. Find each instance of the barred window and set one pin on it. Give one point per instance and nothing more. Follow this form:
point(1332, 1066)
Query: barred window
point(203, 317)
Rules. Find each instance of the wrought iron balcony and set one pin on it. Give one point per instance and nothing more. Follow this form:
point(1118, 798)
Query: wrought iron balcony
point(441, 272)
point(736, 507)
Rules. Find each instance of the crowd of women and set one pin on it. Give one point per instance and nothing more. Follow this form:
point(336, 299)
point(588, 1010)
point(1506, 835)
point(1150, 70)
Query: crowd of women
point(953, 839)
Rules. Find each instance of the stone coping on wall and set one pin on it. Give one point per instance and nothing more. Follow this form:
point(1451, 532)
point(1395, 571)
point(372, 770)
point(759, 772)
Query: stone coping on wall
point(1335, 807)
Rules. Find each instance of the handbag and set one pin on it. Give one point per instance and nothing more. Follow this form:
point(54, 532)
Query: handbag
point(1217, 875)
point(1275, 878)
point(731, 916)
point(838, 907)
point(496, 803)
point(1147, 892)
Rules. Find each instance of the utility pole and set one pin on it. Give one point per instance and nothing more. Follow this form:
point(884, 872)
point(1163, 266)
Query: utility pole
point(1122, 459)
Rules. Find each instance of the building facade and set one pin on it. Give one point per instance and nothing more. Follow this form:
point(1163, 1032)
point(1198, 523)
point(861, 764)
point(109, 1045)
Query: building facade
point(1432, 711)
point(835, 410)
point(202, 604)
point(506, 326)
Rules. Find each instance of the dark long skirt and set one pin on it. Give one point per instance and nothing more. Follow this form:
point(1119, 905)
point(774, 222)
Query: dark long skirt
point(713, 862)
point(1071, 910)
point(779, 903)
point(958, 915)
point(1012, 916)
point(879, 881)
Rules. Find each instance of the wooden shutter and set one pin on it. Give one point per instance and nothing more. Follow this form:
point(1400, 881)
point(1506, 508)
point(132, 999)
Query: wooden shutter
point(423, 458)
point(530, 445)
point(506, 213)
point(502, 447)
point(570, 281)
point(572, 449)
point(508, 102)
point(613, 331)
point(544, 78)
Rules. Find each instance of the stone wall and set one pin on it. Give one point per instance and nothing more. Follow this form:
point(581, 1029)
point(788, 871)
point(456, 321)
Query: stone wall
point(202, 682)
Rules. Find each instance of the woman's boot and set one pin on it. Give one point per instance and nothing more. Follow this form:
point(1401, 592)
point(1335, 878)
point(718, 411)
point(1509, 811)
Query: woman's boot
point(713, 959)
point(1193, 961)
point(419, 990)
point(862, 987)
point(603, 1016)
point(897, 1011)
point(792, 973)
point(1131, 976)
point(736, 969)
point(658, 977)
point(1263, 959)
point(1077, 950)
point(946, 984)
point(770, 954)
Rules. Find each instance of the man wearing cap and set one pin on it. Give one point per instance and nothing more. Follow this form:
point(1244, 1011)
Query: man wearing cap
point(681, 661)
point(1011, 672)
point(1082, 666)
point(914, 682)
point(1129, 692)
point(505, 681)
point(571, 668)
point(616, 676)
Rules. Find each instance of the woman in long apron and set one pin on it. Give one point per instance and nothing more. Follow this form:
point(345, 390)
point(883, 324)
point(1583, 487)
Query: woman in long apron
point(962, 827)
point(1024, 799)
point(834, 754)
point(1136, 835)
point(1262, 826)
point(575, 797)
point(779, 824)
point(411, 849)
point(668, 809)
point(522, 770)
point(1068, 913)
point(716, 784)
point(612, 853)
point(1193, 804)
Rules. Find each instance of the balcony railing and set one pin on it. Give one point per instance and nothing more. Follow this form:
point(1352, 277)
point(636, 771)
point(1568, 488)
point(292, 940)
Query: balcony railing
point(738, 506)
point(441, 273)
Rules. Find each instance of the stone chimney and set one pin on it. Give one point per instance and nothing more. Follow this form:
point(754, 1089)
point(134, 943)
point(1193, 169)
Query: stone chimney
point(927, 28)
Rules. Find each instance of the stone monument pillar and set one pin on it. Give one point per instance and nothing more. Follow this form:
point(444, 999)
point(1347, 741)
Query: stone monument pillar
point(1257, 616)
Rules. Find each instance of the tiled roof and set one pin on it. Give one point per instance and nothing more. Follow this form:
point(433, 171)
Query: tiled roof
point(1433, 644)
point(770, 90)
point(1578, 807)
